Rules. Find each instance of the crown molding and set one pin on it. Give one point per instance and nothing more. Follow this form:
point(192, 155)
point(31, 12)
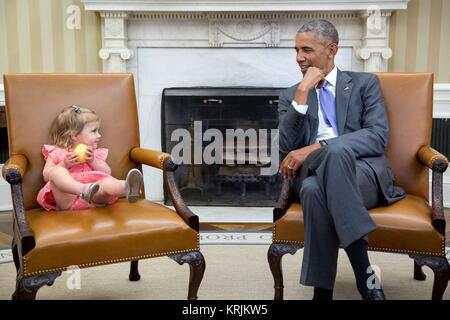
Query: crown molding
point(238, 15)
point(242, 5)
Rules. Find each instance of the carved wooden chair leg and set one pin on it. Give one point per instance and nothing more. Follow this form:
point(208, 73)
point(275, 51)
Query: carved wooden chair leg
point(15, 255)
point(441, 270)
point(27, 287)
point(134, 271)
point(418, 272)
point(274, 256)
point(197, 266)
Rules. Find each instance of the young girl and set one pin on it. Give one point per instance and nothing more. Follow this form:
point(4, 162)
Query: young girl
point(74, 183)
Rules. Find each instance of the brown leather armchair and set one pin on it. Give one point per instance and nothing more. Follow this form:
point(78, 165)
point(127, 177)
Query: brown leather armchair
point(46, 243)
point(410, 226)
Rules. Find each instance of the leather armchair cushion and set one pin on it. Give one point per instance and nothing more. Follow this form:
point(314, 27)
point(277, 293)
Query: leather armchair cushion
point(404, 227)
point(116, 233)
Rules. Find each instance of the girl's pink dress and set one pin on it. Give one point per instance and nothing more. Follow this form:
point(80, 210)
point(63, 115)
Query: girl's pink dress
point(81, 172)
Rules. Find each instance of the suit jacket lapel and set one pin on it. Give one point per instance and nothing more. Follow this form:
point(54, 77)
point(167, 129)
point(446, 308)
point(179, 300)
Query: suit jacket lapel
point(343, 93)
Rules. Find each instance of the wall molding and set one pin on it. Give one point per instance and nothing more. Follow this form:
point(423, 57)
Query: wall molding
point(5, 194)
point(446, 188)
point(2, 95)
point(441, 109)
point(441, 100)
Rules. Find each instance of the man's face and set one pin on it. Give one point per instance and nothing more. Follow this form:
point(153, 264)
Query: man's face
point(311, 52)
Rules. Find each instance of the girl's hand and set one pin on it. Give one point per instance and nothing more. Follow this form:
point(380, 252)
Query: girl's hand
point(89, 155)
point(70, 160)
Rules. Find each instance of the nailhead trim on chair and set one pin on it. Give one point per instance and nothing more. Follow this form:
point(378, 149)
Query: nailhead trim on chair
point(13, 166)
point(84, 265)
point(426, 253)
point(299, 243)
point(430, 163)
point(161, 162)
point(442, 254)
point(10, 166)
point(283, 241)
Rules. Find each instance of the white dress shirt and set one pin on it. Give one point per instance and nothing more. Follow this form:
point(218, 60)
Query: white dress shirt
point(324, 130)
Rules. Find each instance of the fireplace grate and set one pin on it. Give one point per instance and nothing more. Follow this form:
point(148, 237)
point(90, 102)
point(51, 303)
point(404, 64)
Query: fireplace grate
point(238, 178)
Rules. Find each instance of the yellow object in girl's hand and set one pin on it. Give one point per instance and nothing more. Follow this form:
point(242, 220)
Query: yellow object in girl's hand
point(80, 150)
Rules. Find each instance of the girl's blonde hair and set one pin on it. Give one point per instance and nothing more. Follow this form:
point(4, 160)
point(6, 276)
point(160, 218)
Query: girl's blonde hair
point(70, 122)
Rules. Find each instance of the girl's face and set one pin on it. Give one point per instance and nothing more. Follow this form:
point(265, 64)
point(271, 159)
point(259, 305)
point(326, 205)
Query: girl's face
point(89, 136)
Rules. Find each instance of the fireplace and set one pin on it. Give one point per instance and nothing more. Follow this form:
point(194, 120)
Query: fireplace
point(222, 139)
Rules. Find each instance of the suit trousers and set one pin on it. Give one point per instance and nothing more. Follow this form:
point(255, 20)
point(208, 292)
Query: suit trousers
point(335, 190)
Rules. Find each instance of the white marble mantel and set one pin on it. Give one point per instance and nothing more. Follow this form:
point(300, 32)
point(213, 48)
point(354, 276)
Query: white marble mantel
point(241, 5)
point(238, 23)
point(170, 43)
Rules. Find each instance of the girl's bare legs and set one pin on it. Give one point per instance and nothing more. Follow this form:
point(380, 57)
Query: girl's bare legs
point(64, 187)
point(109, 186)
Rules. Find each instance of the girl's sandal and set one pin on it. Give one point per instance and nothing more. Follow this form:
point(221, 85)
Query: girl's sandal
point(133, 185)
point(90, 192)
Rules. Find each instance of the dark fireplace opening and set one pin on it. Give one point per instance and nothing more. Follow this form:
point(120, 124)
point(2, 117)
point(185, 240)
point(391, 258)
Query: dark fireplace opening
point(223, 138)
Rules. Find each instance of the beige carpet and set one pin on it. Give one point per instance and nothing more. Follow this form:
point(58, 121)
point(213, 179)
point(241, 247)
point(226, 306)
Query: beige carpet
point(233, 272)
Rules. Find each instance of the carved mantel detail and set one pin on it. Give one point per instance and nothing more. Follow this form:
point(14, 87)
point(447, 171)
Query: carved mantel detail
point(115, 51)
point(375, 49)
point(247, 31)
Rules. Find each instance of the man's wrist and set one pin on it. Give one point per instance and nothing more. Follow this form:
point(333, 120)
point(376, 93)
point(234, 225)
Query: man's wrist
point(301, 88)
point(301, 95)
point(323, 143)
point(302, 108)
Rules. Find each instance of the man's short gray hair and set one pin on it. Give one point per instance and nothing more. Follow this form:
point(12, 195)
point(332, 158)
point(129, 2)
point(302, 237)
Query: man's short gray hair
point(325, 30)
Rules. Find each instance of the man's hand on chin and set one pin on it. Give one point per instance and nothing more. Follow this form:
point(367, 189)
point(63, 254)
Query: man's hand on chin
point(295, 159)
point(311, 78)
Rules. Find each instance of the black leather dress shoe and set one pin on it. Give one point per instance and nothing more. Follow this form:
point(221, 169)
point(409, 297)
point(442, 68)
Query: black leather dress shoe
point(373, 294)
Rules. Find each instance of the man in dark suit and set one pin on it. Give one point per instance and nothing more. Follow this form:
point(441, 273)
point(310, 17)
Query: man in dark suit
point(333, 133)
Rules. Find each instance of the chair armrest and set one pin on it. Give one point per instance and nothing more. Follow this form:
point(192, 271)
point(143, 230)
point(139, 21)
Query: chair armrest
point(284, 201)
point(149, 157)
point(438, 163)
point(163, 161)
point(17, 164)
point(181, 208)
point(432, 159)
point(13, 171)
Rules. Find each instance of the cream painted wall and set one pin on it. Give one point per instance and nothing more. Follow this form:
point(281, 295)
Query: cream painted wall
point(420, 39)
point(34, 37)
